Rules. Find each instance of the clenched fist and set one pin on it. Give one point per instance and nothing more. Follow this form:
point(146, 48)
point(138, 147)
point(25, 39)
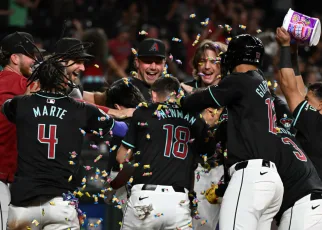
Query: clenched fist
point(283, 37)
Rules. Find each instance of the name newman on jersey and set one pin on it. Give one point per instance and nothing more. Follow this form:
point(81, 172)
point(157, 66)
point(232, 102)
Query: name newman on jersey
point(169, 113)
point(49, 111)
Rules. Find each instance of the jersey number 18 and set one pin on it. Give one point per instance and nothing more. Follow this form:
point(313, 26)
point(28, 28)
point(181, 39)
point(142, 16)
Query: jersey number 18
point(181, 137)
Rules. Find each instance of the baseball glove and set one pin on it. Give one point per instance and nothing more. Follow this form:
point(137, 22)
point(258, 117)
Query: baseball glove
point(211, 195)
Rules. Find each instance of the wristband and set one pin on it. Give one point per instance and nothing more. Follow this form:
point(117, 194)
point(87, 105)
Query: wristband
point(295, 64)
point(285, 57)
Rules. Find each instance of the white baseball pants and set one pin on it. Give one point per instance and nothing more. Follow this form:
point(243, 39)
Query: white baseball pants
point(4, 205)
point(58, 215)
point(168, 209)
point(306, 214)
point(253, 197)
point(207, 211)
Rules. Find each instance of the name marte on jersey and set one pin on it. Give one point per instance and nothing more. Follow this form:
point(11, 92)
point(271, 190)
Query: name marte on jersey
point(262, 88)
point(49, 111)
point(175, 113)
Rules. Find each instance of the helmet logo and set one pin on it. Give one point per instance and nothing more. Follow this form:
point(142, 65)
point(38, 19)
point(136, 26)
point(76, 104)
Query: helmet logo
point(258, 56)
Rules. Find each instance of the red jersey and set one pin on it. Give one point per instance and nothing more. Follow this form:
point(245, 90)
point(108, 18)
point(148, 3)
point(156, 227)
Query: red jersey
point(11, 84)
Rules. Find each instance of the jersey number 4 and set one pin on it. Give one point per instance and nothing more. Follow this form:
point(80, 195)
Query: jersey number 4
point(51, 140)
point(181, 137)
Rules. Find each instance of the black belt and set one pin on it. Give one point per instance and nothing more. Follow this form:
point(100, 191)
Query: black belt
point(316, 196)
point(243, 164)
point(152, 187)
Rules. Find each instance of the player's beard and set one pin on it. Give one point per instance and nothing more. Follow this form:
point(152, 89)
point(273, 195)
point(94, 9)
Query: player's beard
point(25, 70)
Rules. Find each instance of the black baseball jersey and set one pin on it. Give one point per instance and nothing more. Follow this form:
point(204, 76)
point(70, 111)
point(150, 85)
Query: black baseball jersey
point(297, 172)
point(143, 87)
point(308, 122)
point(194, 83)
point(163, 134)
point(49, 129)
point(251, 116)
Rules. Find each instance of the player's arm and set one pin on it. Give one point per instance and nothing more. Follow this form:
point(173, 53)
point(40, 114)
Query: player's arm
point(124, 153)
point(287, 78)
point(123, 176)
point(215, 96)
point(98, 119)
point(9, 109)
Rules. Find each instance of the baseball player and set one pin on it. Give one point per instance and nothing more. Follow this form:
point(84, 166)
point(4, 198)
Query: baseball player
point(17, 62)
point(255, 191)
point(306, 109)
point(206, 71)
point(121, 95)
point(50, 128)
point(159, 139)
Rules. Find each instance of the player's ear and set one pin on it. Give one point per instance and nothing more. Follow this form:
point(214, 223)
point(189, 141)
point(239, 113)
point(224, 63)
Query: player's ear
point(14, 58)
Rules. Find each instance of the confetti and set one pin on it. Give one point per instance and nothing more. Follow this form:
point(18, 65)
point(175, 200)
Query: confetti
point(70, 178)
point(171, 57)
point(133, 73)
point(143, 104)
point(192, 15)
point(130, 181)
point(80, 194)
point(203, 222)
point(87, 168)
point(87, 194)
point(146, 166)
point(134, 51)
point(98, 222)
point(142, 32)
point(158, 215)
point(52, 203)
point(136, 165)
point(258, 31)
point(142, 124)
point(148, 136)
point(179, 62)
point(176, 39)
point(82, 131)
point(94, 146)
point(71, 162)
point(35, 222)
point(73, 154)
point(205, 23)
point(242, 27)
point(95, 199)
point(43, 212)
point(97, 66)
point(147, 174)
point(98, 158)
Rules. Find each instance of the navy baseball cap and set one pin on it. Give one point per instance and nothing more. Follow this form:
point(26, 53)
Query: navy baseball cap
point(19, 42)
point(151, 47)
point(64, 44)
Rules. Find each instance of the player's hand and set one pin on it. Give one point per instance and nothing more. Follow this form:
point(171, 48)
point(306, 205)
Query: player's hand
point(211, 116)
point(186, 88)
point(34, 87)
point(121, 114)
point(283, 37)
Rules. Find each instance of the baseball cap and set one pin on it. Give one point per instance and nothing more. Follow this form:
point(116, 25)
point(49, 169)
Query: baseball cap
point(64, 44)
point(151, 47)
point(19, 42)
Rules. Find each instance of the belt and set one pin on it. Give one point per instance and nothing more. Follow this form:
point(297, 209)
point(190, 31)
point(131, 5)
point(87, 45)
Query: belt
point(243, 164)
point(152, 187)
point(316, 196)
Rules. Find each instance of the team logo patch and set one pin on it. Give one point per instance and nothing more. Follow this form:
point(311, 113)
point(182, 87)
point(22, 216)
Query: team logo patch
point(51, 101)
point(286, 122)
point(154, 47)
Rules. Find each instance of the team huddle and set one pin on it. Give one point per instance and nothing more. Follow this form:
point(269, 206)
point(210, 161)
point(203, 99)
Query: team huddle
point(222, 151)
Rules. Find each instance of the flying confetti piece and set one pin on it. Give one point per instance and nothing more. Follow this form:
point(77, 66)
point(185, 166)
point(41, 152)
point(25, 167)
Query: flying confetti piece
point(136, 165)
point(130, 181)
point(73, 154)
point(228, 28)
point(98, 158)
point(146, 166)
point(87, 194)
point(148, 136)
point(142, 32)
point(228, 40)
point(95, 199)
point(98, 222)
point(97, 66)
point(70, 178)
point(179, 62)
point(176, 39)
point(171, 57)
point(158, 215)
point(142, 124)
point(209, 31)
point(52, 203)
point(242, 27)
point(28, 228)
point(220, 26)
point(134, 51)
point(203, 222)
point(80, 194)
point(113, 148)
point(71, 162)
point(143, 104)
point(35, 222)
point(133, 73)
point(93, 146)
point(87, 168)
point(205, 23)
point(258, 31)
point(192, 15)
point(147, 174)
point(82, 131)
point(43, 212)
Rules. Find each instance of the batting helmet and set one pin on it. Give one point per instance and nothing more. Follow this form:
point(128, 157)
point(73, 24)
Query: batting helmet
point(242, 49)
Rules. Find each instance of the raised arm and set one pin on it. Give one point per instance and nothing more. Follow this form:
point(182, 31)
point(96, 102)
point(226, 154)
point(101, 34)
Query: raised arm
point(287, 78)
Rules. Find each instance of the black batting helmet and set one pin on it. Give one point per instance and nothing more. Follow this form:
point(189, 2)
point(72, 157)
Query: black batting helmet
point(242, 49)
